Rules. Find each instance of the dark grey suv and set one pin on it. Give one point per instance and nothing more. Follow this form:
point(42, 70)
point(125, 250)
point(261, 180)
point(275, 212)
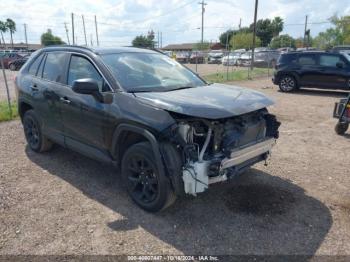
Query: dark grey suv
point(169, 131)
point(312, 69)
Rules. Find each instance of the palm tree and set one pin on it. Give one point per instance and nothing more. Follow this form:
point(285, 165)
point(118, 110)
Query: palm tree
point(3, 29)
point(11, 26)
point(277, 25)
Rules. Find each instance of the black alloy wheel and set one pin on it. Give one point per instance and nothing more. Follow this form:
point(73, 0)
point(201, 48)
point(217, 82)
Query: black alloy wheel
point(147, 187)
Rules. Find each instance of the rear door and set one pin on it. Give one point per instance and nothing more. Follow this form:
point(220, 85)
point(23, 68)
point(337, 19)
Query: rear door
point(309, 70)
point(332, 75)
point(49, 85)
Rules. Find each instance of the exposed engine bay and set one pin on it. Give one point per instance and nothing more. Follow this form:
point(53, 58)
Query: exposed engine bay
point(215, 150)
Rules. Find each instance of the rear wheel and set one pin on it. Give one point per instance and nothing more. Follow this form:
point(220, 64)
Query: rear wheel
point(32, 130)
point(147, 187)
point(287, 83)
point(340, 128)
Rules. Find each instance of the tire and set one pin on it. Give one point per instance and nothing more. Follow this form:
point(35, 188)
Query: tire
point(340, 128)
point(287, 83)
point(147, 187)
point(12, 67)
point(32, 131)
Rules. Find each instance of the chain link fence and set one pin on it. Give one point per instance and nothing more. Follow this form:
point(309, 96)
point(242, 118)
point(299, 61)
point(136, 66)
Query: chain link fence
point(228, 66)
point(8, 105)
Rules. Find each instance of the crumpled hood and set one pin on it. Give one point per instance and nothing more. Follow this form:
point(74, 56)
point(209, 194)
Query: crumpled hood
point(213, 101)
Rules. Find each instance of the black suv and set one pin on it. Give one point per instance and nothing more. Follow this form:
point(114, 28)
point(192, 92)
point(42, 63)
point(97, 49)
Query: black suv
point(169, 131)
point(312, 69)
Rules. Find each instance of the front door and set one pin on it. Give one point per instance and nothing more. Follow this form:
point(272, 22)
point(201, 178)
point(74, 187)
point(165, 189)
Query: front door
point(85, 119)
point(332, 75)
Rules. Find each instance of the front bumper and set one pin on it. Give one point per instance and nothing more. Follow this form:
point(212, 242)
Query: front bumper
point(239, 156)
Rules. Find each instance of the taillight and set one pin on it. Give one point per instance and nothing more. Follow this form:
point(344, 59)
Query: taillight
point(347, 111)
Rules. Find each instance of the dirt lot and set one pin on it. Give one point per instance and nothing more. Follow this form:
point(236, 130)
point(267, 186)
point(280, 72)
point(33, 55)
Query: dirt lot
point(63, 203)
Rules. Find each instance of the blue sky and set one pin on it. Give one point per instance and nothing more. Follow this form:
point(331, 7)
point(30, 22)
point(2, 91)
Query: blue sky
point(179, 21)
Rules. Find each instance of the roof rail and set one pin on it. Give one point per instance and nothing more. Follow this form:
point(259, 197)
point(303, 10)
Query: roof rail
point(76, 46)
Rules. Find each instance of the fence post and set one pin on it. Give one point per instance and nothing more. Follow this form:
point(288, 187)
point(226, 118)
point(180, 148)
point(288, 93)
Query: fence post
point(7, 87)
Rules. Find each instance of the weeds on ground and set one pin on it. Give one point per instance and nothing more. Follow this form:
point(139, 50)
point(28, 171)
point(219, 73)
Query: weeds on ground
point(5, 112)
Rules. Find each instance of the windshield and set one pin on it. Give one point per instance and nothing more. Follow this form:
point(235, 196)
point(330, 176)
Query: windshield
point(147, 72)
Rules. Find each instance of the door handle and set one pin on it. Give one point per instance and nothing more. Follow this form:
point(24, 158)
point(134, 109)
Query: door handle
point(65, 100)
point(34, 87)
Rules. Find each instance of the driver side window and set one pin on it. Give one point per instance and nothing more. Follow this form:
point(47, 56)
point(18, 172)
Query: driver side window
point(80, 68)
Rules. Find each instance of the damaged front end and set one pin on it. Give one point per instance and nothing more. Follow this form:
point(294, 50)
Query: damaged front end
point(215, 150)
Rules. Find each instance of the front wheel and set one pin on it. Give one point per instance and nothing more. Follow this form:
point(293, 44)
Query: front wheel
point(287, 83)
point(147, 187)
point(340, 128)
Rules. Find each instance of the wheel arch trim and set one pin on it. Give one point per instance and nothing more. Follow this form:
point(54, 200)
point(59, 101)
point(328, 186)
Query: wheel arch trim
point(143, 132)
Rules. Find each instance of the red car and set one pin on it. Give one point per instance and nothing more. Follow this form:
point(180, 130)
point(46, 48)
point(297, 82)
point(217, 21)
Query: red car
point(9, 57)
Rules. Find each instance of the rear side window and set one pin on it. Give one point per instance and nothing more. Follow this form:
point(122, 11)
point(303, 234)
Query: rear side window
point(287, 59)
point(307, 59)
point(33, 68)
point(329, 60)
point(54, 66)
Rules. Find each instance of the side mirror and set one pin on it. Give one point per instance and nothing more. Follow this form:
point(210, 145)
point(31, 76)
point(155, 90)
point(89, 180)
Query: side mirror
point(87, 86)
point(340, 64)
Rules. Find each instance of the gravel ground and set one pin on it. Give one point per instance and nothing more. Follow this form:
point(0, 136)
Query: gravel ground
point(63, 203)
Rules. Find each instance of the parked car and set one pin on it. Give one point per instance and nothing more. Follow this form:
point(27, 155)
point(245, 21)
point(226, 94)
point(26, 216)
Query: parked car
point(18, 63)
point(9, 57)
point(183, 57)
point(266, 58)
point(215, 57)
point(197, 57)
point(341, 48)
point(169, 131)
point(232, 58)
point(245, 59)
point(285, 49)
point(312, 69)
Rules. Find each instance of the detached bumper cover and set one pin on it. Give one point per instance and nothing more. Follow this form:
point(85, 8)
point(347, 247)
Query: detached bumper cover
point(241, 155)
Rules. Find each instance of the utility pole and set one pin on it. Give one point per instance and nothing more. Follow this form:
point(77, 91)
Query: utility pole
point(161, 39)
point(240, 23)
point(65, 26)
point(305, 30)
point(203, 10)
point(254, 33)
point(25, 35)
point(82, 17)
point(73, 37)
point(97, 41)
point(158, 39)
point(92, 44)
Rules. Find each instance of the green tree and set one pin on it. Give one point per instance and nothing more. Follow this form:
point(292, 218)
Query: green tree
point(230, 33)
point(277, 26)
point(282, 41)
point(342, 29)
point(49, 39)
point(226, 36)
point(11, 26)
point(327, 39)
point(244, 40)
point(267, 29)
point(202, 46)
point(3, 29)
point(144, 41)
